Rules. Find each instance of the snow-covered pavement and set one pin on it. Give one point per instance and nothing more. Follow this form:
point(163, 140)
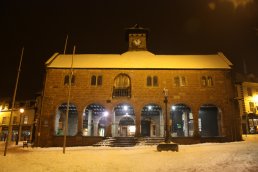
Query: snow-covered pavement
point(221, 157)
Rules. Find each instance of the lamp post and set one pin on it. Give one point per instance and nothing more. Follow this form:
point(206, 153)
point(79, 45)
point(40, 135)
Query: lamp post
point(19, 131)
point(168, 145)
point(167, 134)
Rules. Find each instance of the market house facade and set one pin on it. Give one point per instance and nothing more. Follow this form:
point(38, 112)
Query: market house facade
point(121, 95)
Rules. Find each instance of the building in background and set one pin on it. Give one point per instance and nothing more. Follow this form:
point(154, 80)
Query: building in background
point(22, 121)
point(122, 95)
point(247, 96)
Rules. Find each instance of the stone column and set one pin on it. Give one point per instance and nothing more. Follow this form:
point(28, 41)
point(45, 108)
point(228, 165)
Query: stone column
point(185, 118)
point(161, 124)
point(95, 128)
point(114, 125)
point(195, 112)
point(137, 123)
point(89, 122)
point(80, 121)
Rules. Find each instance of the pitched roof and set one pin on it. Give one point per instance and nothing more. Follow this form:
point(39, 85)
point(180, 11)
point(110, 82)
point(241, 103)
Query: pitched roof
point(139, 60)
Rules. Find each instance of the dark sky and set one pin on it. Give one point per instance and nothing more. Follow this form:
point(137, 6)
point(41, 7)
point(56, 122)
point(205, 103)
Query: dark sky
point(98, 26)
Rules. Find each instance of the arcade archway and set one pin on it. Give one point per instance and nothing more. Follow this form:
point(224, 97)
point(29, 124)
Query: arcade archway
point(123, 121)
point(60, 120)
point(209, 120)
point(95, 120)
point(151, 121)
point(182, 121)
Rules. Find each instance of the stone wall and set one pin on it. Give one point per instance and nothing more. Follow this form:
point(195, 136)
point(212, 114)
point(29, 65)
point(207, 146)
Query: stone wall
point(193, 95)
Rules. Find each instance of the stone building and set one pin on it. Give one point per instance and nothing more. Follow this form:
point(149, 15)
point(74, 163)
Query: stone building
point(123, 95)
point(22, 121)
point(247, 96)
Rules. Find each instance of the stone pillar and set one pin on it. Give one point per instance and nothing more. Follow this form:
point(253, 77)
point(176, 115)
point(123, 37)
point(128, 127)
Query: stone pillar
point(137, 123)
point(95, 128)
point(89, 122)
point(161, 124)
point(195, 112)
point(114, 125)
point(185, 118)
point(80, 121)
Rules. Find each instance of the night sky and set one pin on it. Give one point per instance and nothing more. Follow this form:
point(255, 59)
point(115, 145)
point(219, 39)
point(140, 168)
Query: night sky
point(98, 26)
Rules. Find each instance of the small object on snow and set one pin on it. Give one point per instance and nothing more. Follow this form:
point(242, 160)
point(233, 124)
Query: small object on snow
point(167, 147)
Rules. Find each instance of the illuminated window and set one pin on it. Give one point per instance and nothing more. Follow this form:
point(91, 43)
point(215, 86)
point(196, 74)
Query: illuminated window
point(251, 105)
point(25, 119)
point(4, 120)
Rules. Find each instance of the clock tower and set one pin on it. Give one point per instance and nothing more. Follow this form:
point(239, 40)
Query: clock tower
point(137, 38)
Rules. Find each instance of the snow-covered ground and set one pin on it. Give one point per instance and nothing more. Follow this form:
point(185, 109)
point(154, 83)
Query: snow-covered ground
point(221, 157)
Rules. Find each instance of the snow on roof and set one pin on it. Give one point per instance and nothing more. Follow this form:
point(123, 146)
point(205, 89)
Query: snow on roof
point(139, 60)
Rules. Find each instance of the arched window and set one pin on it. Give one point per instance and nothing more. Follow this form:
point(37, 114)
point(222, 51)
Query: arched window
point(149, 81)
point(122, 86)
point(177, 81)
point(210, 81)
point(155, 81)
point(183, 81)
point(73, 79)
point(204, 81)
point(66, 80)
point(99, 81)
point(93, 80)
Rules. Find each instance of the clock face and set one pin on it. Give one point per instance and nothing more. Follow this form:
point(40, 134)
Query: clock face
point(137, 42)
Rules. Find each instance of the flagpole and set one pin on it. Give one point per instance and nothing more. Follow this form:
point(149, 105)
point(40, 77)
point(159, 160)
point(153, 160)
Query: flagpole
point(68, 102)
point(13, 101)
point(65, 43)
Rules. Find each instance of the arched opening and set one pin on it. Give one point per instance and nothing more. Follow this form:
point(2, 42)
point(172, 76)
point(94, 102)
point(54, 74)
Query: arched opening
point(95, 120)
point(60, 120)
point(182, 121)
point(151, 121)
point(209, 120)
point(123, 121)
point(122, 86)
point(126, 126)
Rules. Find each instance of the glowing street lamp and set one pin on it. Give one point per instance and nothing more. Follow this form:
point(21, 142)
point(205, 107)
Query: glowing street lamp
point(255, 99)
point(19, 131)
point(105, 114)
point(125, 107)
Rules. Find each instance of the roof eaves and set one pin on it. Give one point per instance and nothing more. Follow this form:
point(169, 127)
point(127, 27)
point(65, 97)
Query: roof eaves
point(225, 58)
point(51, 59)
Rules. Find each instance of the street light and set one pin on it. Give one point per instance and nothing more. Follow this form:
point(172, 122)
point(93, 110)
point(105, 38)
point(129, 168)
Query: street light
point(167, 134)
point(19, 131)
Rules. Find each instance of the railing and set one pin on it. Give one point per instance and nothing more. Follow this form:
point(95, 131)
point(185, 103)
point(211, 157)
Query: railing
point(121, 92)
